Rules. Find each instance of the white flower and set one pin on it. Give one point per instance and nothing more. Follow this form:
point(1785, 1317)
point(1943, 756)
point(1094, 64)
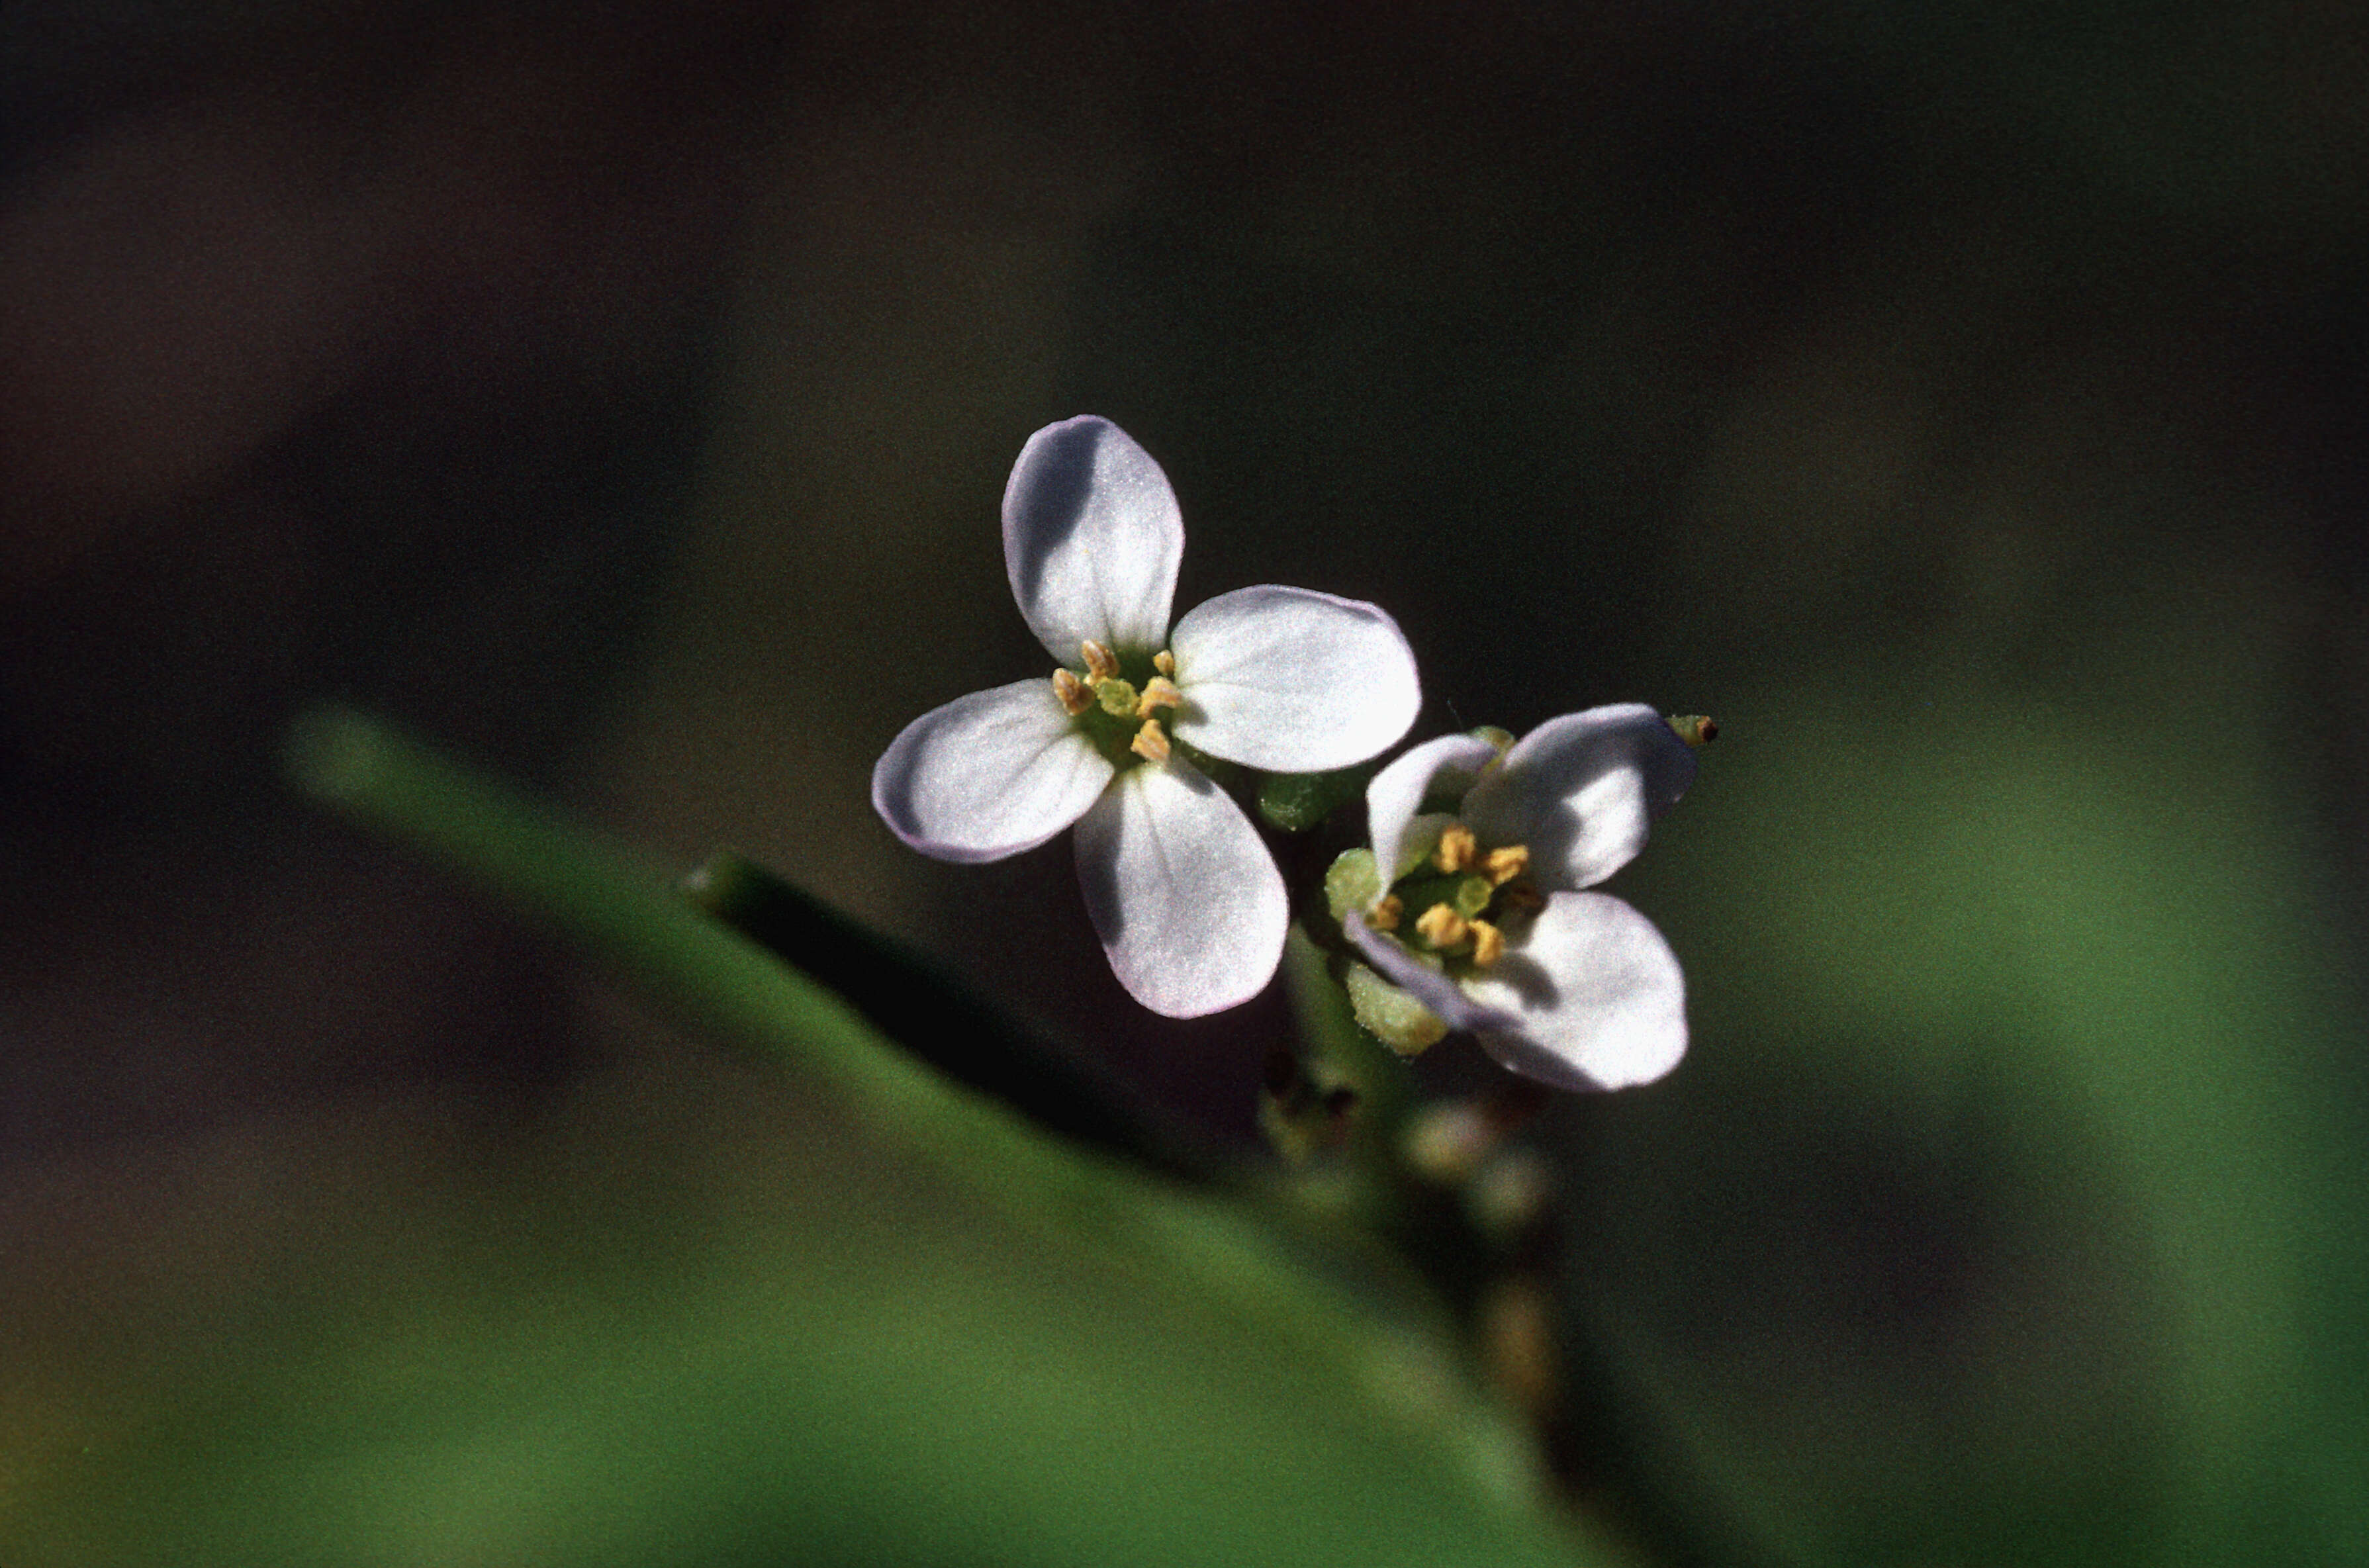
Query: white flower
point(1571, 987)
point(1188, 903)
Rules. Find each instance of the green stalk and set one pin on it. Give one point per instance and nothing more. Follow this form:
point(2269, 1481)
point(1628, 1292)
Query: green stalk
point(1387, 1347)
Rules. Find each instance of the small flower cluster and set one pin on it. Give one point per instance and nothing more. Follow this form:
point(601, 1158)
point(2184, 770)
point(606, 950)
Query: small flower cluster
point(1471, 908)
point(1571, 987)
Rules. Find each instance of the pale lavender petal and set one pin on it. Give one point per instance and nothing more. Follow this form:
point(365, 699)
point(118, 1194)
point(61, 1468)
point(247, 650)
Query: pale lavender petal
point(1091, 538)
point(1581, 790)
point(1598, 995)
point(1426, 984)
point(988, 775)
point(1293, 680)
point(1188, 903)
point(1396, 793)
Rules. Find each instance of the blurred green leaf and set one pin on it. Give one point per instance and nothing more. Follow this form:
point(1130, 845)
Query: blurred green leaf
point(2022, 1211)
point(974, 1344)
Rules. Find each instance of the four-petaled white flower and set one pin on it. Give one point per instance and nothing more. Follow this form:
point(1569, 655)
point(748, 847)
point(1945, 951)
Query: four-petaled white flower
point(1186, 898)
point(1571, 987)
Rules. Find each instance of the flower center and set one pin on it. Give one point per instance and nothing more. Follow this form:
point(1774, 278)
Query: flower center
point(1120, 715)
point(1464, 893)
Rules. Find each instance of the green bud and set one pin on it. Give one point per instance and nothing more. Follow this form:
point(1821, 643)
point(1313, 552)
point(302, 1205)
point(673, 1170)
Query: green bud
point(1117, 697)
point(1296, 802)
point(1500, 739)
point(1695, 729)
point(1352, 882)
point(1390, 1015)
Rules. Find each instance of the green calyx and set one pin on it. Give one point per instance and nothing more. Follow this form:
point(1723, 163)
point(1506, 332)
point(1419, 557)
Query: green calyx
point(1352, 882)
point(1390, 1015)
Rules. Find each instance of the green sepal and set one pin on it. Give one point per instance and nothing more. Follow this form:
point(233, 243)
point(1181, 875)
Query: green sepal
point(1352, 882)
point(1390, 1015)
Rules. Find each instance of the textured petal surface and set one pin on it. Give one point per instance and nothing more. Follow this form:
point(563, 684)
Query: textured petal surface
point(1293, 680)
point(1601, 1001)
point(1396, 793)
point(1188, 903)
point(1581, 790)
point(988, 775)
point(1091, 538)
point(1426, 985)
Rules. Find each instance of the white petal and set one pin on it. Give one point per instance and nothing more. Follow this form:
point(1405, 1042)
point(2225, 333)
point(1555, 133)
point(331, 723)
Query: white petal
point(1396, 793)
point(1293, 680)
point(1426, 985)
point(988, 775)
point(1189, 905)
point(1091, 538)
point(1580, 790)
point(1601, 1001)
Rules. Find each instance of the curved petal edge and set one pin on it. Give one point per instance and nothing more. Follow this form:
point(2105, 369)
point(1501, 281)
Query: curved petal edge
point(1188, 903)
point(1091, 537)
point(988, 775)
point(1598, 998)
point(1395, 795)
point(1581, 790)
point(1293, 680)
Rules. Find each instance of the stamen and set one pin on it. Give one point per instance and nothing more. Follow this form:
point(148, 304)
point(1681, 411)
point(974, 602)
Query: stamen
point(1075, 694)
point(1442, 926)
point(1488, 944)
point(1457, 848)
point(1160, 692)
point(1502, 865)
point(1150, 743)
point(1101, 663)
point(1164, 662)
point(1384, 916)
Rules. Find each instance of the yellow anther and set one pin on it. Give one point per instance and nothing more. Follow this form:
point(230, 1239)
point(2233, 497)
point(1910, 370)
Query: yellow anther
point(1164, 662)
point(1150, 743)
point(1160, 692)
point(1384, 916)
point(1101, 663)
point(1488, 942)
point(1075, 694)
point(1501, 866)
point(1457, 848)
point(1442, 926)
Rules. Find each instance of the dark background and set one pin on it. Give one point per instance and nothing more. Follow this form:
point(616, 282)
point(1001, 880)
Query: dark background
point(1967, 406)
